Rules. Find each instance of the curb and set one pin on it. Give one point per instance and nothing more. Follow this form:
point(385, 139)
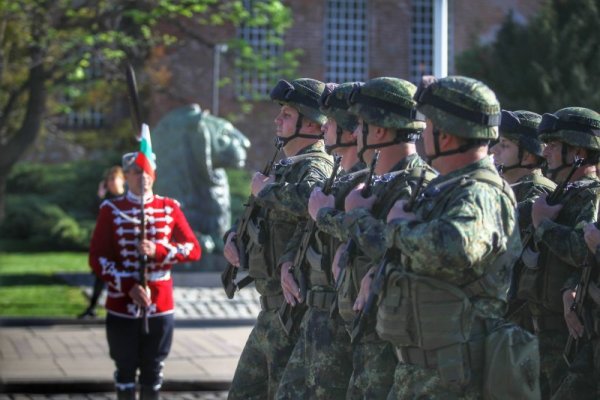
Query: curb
point(181, 323)
point(106, 386)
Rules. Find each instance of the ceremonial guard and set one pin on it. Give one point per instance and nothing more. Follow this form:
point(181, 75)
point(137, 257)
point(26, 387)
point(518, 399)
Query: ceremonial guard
point(137, 269)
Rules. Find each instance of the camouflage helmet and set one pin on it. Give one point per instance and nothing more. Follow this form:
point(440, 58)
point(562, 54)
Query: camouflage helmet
point(460, 106)
point(521, 127)
point(387, 102)
point(302, 94)
point(575, 126)
point(334, 104)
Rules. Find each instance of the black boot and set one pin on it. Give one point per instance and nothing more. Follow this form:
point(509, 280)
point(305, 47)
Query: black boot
point(126, 394)
point(148, 393)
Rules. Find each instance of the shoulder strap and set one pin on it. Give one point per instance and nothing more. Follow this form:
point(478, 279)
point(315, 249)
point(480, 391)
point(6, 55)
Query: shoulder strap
point(494, 179)
point(541, 180)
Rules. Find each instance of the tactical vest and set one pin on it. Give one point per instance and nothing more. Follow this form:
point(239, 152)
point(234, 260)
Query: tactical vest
point(389, 187)
point(319, 255)
point(541, 282)
point(270, 230)
point(424, 312)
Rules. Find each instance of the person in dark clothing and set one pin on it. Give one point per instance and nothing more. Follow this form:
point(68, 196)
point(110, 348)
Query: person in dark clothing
point(111, 186)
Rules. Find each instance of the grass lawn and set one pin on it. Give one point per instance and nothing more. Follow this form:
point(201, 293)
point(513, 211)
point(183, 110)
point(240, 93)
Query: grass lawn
point(29, 288)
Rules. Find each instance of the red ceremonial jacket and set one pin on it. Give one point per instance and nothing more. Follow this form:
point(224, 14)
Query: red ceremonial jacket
point(114, 256)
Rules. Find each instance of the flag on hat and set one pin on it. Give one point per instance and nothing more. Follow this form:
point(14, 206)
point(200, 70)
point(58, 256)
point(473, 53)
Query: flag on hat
point(145, 157)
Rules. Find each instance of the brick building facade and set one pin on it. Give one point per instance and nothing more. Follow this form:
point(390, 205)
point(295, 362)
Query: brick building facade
point(387, 37)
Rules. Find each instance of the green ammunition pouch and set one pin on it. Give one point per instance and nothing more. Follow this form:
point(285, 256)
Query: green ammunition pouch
point(500, 356)
point(258, 266)
point(512, 363)
point(272, 302)
point(321, 300)
point(350, 286)
point(319, 262)
point(541, 283)
point(417, 311)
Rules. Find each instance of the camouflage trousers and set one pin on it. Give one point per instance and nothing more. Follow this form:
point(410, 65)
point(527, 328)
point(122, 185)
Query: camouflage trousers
point(321, 363)
point(416, 382)
point(581, 380)
point(553, 368)
point(374, 363)
point(263, 359)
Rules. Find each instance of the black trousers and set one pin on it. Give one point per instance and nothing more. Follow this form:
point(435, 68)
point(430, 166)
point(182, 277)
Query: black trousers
point(131, 349)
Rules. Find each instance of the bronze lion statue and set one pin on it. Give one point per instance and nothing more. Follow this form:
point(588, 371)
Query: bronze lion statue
point(192, 149)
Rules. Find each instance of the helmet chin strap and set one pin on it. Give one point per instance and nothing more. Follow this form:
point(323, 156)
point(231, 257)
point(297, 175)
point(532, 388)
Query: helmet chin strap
point(401, 137)
point(460, 149)
point(564, 163)
point(338, 141)
point(503, 168)
point(297, 134)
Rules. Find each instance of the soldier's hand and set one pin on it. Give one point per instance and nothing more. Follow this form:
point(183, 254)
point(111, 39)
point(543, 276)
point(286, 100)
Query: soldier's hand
point(365, 290)
point(397, 212)
point(355, 199)
point(147, 248)
point(230, 251)
point(259, 181)
point(335, 267)
point(139, 295)
point(591, 234)
point(574, 325)
point(318, 200)
point(541, 210)
point(291, 291)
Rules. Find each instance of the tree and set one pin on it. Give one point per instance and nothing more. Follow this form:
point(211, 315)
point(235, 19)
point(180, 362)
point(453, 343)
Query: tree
point(550, 63)
point(47, 48)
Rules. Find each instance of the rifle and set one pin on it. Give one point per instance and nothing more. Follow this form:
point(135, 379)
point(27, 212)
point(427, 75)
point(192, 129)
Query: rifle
point(286, 310)
point(552, 199)
point(136, 120)
point(230, 273)
point(358, 325)
point(348, 254)
point(581, 291)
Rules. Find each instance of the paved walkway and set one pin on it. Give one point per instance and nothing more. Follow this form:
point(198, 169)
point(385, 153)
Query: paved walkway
point(69, 355)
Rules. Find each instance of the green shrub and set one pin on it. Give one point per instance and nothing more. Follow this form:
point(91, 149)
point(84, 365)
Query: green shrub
point(44, 225)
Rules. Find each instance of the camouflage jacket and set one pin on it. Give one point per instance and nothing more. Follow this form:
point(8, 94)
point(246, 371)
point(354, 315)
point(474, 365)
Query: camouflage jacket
point(322, 246)
point(465, 230)
point(367, 227)
point(527, 189)
point(284, 211)
point(563, 250)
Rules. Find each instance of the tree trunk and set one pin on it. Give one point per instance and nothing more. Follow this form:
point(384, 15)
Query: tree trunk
point(30, 127)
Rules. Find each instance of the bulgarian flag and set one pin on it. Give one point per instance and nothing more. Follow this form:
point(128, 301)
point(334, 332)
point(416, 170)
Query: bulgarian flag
point(145, 157)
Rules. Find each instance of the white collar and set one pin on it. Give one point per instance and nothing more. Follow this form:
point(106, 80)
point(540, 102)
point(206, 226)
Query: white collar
point(137, 199)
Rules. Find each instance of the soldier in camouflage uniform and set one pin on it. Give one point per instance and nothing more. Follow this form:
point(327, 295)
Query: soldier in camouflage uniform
point(282, 199)
point(568, 133)
point(321, 363)
point(388, 122)
point(458, 248)
point(518, 156)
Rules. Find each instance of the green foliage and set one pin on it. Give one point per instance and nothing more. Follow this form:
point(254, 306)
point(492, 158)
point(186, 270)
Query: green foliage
point(52, 206)
point(239, 189)
point(548, 64)
point(44, 225)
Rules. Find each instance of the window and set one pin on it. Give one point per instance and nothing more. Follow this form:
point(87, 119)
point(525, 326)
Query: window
point(250, 83)
point(346, 56)
point(421, 51)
